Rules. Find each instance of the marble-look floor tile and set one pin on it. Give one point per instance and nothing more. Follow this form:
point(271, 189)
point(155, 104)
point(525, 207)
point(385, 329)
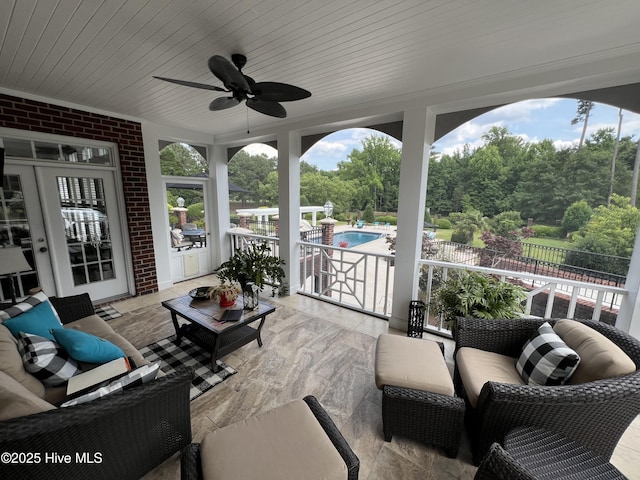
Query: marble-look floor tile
point(319, 349)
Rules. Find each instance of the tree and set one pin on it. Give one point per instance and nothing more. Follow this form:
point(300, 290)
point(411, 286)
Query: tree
point(576, 216)
point(467, 224)
point(368, 215)
point(376, 171)
point(610, 231)
point(181, 159)
point(488, 174)
point(249, 171)
point(582, 115)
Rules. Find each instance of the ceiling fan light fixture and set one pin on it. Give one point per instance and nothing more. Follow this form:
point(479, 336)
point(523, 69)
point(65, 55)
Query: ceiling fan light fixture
point(263, 97)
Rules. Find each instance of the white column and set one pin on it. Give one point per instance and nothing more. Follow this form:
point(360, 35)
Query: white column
point(629, 315)
point(220, 244)
point(417, 135)
point(313, 218)
point(289, 149)
point(157, 206)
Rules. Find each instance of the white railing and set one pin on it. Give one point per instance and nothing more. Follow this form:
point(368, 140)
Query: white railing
point(572, 290)
point(363, 281)
point(351, 278)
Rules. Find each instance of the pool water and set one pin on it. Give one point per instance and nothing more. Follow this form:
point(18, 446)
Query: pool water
point(355, 238)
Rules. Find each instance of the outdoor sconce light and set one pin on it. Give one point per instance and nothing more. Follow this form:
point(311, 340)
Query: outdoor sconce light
point(180, 202)
point(328, 209)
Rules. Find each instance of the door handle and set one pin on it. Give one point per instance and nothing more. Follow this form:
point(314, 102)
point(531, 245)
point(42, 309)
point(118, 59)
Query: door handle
point(43, 249)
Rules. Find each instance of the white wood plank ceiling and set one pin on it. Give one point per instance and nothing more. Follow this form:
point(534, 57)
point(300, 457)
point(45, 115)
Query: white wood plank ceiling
point(102, 54)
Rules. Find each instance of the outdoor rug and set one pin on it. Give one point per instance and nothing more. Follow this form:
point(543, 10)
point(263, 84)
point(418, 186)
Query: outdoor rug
point(107, 312)
point(187, 354)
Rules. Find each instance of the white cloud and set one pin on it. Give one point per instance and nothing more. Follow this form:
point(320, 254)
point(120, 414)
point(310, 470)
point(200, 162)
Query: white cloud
point(329, 147)
point(522, 111)
point(562, 144)
point(260, 148)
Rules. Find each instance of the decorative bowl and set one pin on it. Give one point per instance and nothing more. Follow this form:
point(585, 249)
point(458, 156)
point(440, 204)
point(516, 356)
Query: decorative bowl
point(200, 293)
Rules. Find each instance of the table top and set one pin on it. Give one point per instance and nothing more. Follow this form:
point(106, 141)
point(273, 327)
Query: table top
point(192, 233)
point(208, 313)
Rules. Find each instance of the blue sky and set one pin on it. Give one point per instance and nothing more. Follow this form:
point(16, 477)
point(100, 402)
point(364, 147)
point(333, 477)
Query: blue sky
point(533, 120)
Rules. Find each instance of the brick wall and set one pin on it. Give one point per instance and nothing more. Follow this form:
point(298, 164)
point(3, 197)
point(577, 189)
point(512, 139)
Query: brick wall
point(23, 114)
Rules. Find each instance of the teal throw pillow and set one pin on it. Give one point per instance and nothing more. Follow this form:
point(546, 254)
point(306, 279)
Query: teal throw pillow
point(84, 347)
point(38, 320)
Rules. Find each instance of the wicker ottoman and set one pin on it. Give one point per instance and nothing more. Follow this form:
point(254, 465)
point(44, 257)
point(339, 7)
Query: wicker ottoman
point(294, 441)
point(418, 400)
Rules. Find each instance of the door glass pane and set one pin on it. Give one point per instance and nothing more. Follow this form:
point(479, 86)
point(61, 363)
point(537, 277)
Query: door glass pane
point(14, 230)
point(187, 215)
point(83, 208)
point(59, 152)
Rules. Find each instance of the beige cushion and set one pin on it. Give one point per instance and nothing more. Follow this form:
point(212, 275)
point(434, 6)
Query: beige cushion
point(411, 363)
point(11, 363)
point(96, 326)
point(16, 401)
point(477, 367)
point(600, 357)
point(286, 443)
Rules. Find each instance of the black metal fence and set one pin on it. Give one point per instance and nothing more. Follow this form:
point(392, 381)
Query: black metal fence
point(550, 261)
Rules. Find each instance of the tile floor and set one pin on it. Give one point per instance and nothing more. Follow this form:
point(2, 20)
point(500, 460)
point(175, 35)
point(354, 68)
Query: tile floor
point(312, 347)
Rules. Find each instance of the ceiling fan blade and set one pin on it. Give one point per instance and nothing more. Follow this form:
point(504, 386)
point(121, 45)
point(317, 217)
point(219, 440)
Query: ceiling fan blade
point(223, 103)
point(228, 74)
point(273, 109)
point(278, 92)
point(192, 84)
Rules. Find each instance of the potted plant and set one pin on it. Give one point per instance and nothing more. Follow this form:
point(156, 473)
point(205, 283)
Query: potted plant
point(225, 293)
point(474, 294)
point(252, 268)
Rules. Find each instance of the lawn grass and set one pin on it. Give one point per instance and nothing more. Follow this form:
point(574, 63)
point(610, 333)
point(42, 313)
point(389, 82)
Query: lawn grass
point(549, 242)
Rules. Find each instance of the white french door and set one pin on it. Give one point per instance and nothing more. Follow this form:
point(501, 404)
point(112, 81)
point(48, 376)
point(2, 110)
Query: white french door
point(74, 229)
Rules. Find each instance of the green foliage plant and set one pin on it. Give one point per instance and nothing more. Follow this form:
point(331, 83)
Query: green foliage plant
point(392, 219)
point(253, 264)
point(460, 235)
point(576, 216)
point(504, 223)
point(368, 215)
point(444, 223)
point(473, 294)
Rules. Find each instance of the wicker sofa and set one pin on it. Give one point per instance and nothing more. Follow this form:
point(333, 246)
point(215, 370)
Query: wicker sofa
point(123, 435)
point(595, 413)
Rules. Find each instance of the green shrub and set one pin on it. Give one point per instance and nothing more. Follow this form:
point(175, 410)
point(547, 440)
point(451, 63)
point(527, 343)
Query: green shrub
point(460, 235)
point(547, 231)
point(368, 215)
point(387, 218)
point(444, 223)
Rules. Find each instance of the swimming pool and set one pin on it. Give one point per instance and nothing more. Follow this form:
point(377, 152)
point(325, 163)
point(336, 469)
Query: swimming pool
point(354, 238)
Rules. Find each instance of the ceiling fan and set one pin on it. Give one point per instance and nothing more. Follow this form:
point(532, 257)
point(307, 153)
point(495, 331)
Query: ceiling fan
point(262, 97)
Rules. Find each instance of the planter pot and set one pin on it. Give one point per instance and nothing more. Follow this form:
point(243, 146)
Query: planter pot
point(226, 302)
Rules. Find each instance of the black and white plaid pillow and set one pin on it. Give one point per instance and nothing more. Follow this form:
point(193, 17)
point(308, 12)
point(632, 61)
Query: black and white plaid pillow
point(45, 359)
point(546, 359)
point(26, 305)
point(136, 377)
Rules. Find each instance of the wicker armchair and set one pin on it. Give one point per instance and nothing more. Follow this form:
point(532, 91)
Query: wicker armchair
point(123, 435)
point(595, 414)
point(532, 454)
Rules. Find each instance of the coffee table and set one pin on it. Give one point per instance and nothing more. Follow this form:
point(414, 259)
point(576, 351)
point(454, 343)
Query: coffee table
point(205, 328)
